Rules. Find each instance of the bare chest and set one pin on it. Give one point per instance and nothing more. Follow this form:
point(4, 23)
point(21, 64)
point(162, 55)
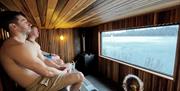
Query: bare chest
point(32, 48)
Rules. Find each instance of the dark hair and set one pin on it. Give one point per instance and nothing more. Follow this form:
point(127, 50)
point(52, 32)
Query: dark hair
point(7, 17)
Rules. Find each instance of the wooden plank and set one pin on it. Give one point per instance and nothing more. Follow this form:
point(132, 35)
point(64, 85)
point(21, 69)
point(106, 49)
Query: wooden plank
point(42, 9)
point(71, 11)
point(120, 13)
point(77, 8)
point(32, 5)
point(117, 9)
point(22, 7)
point(59, 7)
point(50, 10)
point(66, 9)
point(9, 4)
point(1, 85)
point(103, 7)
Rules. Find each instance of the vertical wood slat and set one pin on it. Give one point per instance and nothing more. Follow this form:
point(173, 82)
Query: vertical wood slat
point(115, 71)
point(177, 82)
point(1, 87)
point(50, 42)
point(3, 34)
point(151, 82)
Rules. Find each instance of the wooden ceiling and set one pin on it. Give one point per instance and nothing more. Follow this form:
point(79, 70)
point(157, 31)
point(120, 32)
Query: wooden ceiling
point(82, 13)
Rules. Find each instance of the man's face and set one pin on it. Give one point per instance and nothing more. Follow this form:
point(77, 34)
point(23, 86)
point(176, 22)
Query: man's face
point(23, 24)
point(34, 32)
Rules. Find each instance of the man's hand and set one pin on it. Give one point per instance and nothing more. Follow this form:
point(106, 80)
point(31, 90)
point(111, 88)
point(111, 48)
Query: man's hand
point(56, 71)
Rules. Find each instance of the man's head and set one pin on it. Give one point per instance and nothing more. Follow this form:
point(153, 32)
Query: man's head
point(34, 32)
point(12, 20)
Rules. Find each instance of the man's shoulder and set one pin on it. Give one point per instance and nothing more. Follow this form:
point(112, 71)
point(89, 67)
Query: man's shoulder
point(11, 47)
point(14, 50)
point(34, 43)
point(37, 45)
point(5, 48)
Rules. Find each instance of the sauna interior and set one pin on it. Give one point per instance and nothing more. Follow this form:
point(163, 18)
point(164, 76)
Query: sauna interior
point(100, 36)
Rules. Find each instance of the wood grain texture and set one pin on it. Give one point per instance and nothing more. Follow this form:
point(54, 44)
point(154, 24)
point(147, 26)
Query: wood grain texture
point(117, 71)
point(1, 87)
point(49, 41)
point(54, 14)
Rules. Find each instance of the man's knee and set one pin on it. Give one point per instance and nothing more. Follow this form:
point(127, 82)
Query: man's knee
point(80, 76)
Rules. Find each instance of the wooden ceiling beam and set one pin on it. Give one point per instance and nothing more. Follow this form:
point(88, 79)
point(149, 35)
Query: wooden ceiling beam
point(25, 10)
point(136, 11)
point(49, 14)
point(90, 7)
point(59, 7)
point(50, 10)
point(99, 10)
point(9, 4)
point(89, 13)
point(71, 12)
point(131, 9)
point(42, 9)
point(32, 5)
point(74, 11)
point(107, 11)
point(66, 9)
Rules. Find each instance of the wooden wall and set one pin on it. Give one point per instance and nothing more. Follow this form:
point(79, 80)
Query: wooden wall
point(91, 38)
point(1, 88)
point(116, 71)
point(68, 48)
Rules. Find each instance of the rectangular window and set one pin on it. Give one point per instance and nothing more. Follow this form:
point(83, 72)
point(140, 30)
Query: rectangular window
point(151, 48)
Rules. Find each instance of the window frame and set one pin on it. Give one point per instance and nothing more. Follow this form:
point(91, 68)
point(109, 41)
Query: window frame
point(140, 67)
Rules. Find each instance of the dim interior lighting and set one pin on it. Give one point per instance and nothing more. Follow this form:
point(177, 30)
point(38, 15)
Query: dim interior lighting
point(61, 37)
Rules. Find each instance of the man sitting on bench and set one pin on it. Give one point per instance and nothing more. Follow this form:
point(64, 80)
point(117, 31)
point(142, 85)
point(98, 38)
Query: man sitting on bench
point(20, 59)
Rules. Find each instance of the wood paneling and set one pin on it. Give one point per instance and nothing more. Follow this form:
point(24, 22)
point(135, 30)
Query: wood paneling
point(49, 41)
point(1, 87)
point(3, 35)
point(117, 71)
point(50, 14)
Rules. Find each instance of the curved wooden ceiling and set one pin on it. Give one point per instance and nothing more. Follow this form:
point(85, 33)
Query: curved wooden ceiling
point(82, 13)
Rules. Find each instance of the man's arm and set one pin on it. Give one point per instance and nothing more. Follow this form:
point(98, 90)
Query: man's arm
point(25, 58)
point(45, 53)
point(47, 61)
point(55, 56)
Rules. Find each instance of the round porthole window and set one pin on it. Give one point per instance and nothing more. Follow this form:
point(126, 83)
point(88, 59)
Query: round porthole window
point(132, 83)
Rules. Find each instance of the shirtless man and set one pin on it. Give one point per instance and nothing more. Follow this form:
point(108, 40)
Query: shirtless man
point(20, 59)
point(53, 62)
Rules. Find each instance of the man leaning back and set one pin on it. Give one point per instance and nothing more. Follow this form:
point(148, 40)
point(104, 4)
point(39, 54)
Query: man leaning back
point(20, 59)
